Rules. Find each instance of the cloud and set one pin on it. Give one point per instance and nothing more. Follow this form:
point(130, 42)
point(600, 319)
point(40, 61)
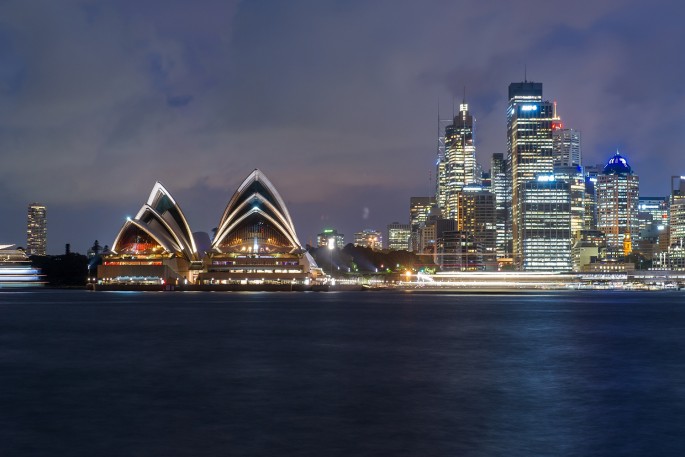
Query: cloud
point(333, 100)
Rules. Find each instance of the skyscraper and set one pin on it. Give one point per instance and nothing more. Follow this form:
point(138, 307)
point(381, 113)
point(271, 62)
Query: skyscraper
point(419, 209)
point(676, 249)
point(36, 230)
point(677, 212)
point(566, 145)
point(573, 175)
point(529, 141)
point(501, 187)
point(617, 205)
point(477, 219)
point(461, 168)
point(546, 224)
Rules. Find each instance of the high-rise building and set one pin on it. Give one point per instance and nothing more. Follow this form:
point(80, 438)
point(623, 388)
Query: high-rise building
point(458, 251)
point(36, 230)
point(617, 205)
point(657, 207)
point(545, 208)
point(566, 145)
point(677, 212)
point(501, 187)
point(419, 209)
point(573, 175)
point(529, 140)
point(590, 202)
point(676, 248)
point(322, 239)
point(477, 218)
point(398, 236)
point(461, 168)
point(369, 238)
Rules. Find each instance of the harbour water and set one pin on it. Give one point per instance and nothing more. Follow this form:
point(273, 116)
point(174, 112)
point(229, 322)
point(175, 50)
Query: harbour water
point(342, 374)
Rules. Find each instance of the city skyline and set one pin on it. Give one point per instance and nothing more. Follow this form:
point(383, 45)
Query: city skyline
point(336, 103)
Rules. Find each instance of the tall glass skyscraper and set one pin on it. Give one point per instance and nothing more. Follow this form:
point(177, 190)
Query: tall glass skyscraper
point(546, 229)
point(677, 212)
point(501, 187)
point(36, 230)
point(617, 205)
point(566, 145)
point(529, 141)
point(461, 168)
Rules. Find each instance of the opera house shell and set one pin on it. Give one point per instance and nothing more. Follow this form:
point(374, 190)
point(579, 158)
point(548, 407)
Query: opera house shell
point(255, 245)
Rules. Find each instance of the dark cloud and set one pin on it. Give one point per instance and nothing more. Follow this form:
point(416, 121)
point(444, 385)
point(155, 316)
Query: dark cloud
point(335, 101)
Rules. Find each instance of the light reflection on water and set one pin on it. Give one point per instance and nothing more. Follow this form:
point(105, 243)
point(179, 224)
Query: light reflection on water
point(195, 374)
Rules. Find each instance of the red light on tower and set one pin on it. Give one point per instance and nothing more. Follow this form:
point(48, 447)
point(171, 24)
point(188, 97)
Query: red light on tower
point(557, 125)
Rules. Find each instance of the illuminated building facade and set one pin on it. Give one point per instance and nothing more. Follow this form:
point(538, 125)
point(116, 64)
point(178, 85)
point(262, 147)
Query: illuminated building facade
point(459, 251)
point(369, 238)
point(566, 146)
point(677, 212)
point(255, 245)
point(36, 230)
point(323, 237)
point(574, 176)
point(657, 207)
point(590, 201)
point(476, 212)
point(501, 188)
point(155, 247)
point(399, 236)
point(545, 208)
point(419, 209)
point(617, 205)
point(529, 141)
point(461, 168)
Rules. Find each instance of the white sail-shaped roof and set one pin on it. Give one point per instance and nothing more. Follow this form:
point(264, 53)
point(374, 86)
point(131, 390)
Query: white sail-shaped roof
point(161, 226)
point(256, 218)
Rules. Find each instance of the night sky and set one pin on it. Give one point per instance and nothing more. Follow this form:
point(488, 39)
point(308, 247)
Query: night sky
point(335, 101)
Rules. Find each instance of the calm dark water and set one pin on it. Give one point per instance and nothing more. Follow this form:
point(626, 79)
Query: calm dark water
point(341, 374)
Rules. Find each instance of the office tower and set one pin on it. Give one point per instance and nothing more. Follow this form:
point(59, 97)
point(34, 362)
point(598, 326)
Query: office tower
point(590, 202)
point(461, 168)
point(326, 234)
point(566, 146)
point(369, 238)
point(617, 205)
point(398, 236)
point(529, 141)
point(574, 176)
point(458, 251)
point(677, 212)
point(419, 208)
point(657, 207)
point(676, 248)
point(546, 224)
point(441, 180)
point(476, 217)
point(36, 230)
point(501, 187)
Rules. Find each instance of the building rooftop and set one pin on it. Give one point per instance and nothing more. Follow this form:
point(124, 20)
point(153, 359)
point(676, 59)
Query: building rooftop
point(617, 165)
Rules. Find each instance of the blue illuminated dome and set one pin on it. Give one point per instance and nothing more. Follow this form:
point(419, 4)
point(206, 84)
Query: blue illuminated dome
point(617, 165)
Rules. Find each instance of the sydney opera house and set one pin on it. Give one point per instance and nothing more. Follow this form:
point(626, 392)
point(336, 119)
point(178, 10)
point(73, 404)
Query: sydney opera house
point(255, 246)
